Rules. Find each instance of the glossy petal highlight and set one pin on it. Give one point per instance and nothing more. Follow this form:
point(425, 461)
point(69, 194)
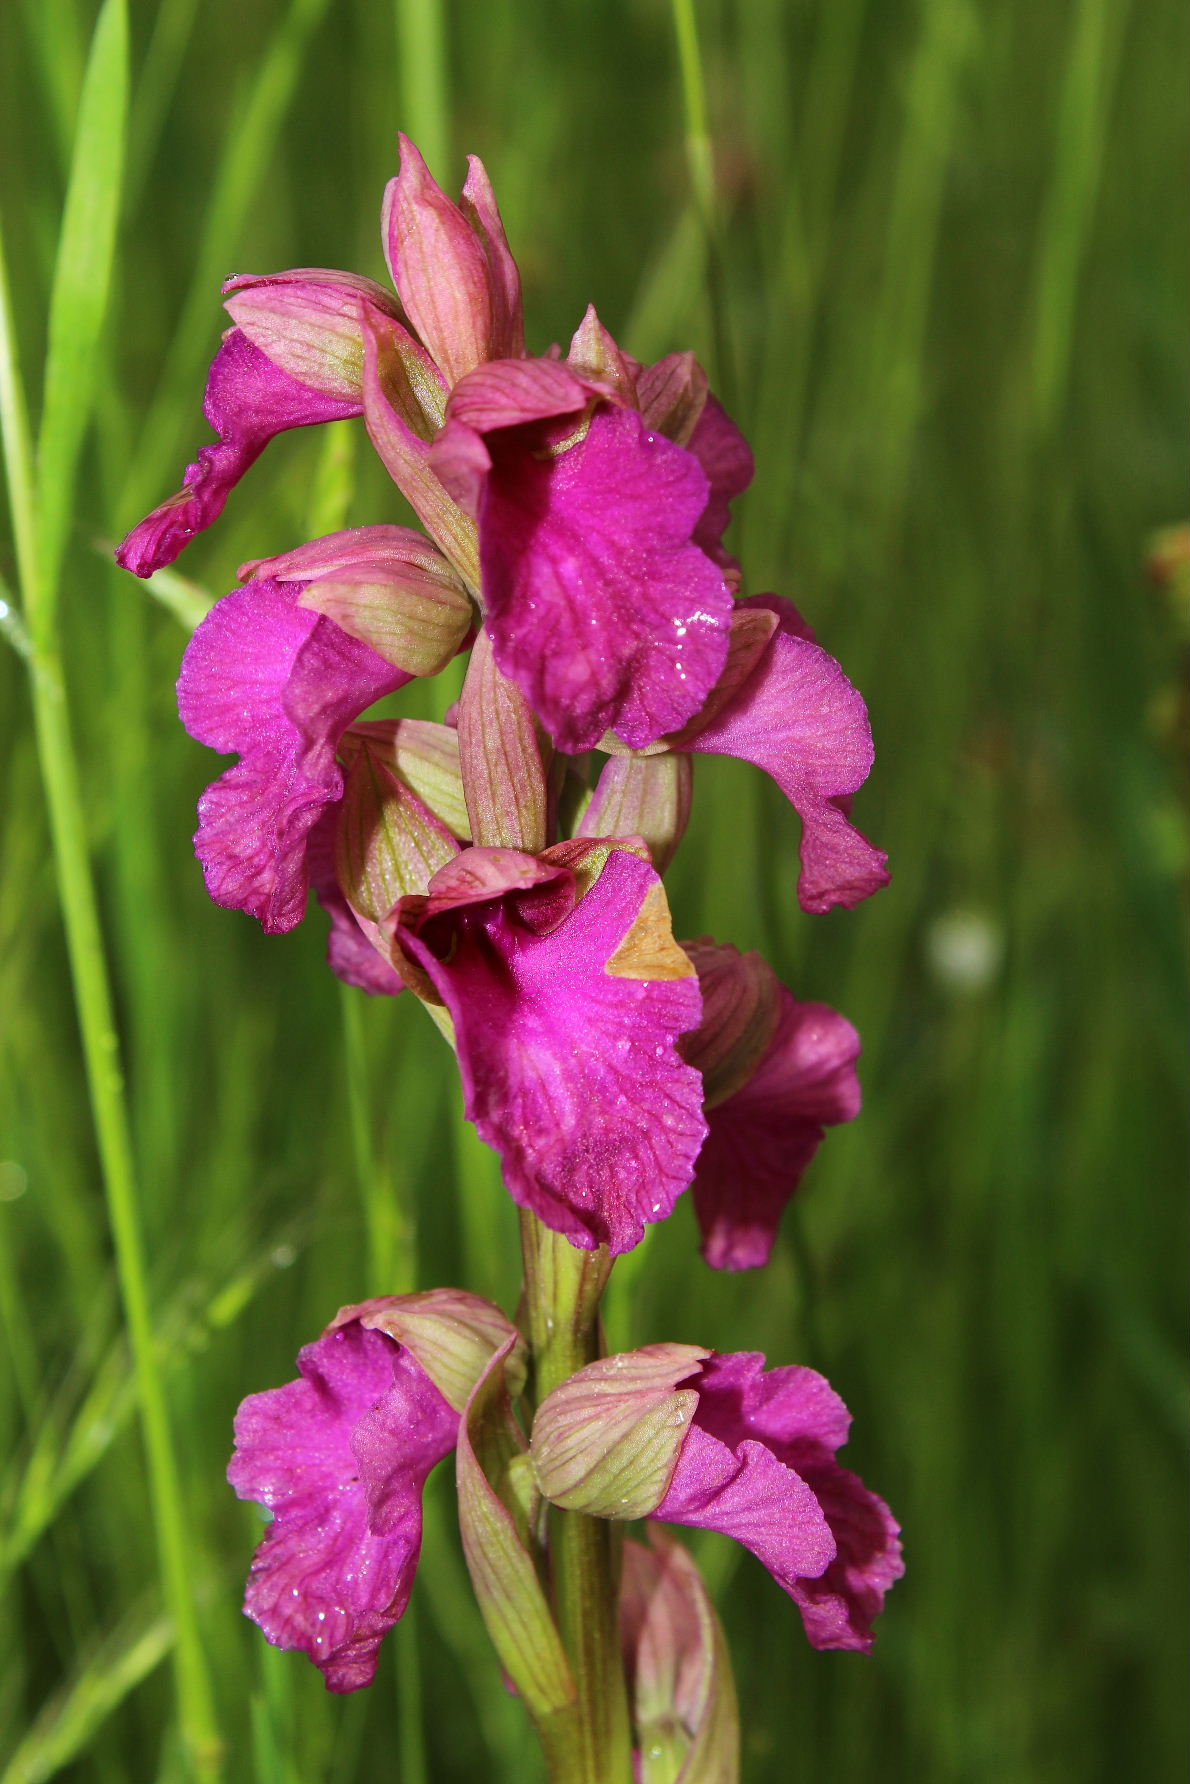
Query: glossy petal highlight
point(600, 606)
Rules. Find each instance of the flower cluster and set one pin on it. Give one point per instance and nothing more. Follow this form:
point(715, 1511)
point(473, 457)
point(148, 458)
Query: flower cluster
point(505, 867)
point(575, 509)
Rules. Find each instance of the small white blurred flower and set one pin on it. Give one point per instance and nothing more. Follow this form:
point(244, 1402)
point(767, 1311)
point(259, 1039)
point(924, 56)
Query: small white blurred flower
point(964, 949)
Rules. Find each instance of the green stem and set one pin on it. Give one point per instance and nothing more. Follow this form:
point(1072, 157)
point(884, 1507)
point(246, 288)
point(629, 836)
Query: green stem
point(563, 1289)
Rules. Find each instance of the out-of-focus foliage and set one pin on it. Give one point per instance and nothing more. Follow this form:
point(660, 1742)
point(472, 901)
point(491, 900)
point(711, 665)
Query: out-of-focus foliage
point(946, 303)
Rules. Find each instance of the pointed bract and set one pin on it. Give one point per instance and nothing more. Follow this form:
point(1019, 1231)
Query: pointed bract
point(404, 403)
point(502, 758)
point(387, 842)
point(350, 953)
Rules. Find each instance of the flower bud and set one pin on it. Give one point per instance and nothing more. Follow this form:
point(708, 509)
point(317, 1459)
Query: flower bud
point(683, 1694)
point(452, 267)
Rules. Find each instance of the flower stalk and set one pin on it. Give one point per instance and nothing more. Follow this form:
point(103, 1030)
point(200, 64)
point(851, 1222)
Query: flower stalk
point(560, 1317)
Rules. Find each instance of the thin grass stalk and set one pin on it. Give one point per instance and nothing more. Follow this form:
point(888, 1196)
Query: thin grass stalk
point(249, 147)
point(39, 526)
point(700, 160)
point(1068, 212)
point(423, 77)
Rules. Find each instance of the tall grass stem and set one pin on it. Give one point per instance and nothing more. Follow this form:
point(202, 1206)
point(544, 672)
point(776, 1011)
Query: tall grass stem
point(41, 501)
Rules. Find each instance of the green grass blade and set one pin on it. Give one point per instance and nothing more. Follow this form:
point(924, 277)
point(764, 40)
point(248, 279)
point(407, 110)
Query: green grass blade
point(41, 509)
point(69, 1722)
point(1068, 212)
point(18, 443)
point(78, 301)
point(700, 162)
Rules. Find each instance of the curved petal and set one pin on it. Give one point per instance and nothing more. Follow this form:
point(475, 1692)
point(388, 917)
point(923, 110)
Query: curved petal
point(801, 1421)
point(748, 1494)
point(763, 1137)
point(793, 1410)
point(839, 1607)
point(599, 605)
point(801, 720)
point(278, 683)
point(566, 1041)
point(249, 401)
point(340, 1456)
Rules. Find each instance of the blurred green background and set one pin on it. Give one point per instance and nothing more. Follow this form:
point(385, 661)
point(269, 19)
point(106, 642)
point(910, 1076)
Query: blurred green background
point(941, 284)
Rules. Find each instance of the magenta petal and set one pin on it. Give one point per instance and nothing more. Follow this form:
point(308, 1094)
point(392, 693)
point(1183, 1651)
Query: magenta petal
point(570, 1070)
point(249, 401)
point(762, 1138)
point(796, 1414)
point(745, 1492)
point(726, 457)
point(800, 719)
point(278, 684)
point(839, 1607)
point(599, 606)
point(340, 1457)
